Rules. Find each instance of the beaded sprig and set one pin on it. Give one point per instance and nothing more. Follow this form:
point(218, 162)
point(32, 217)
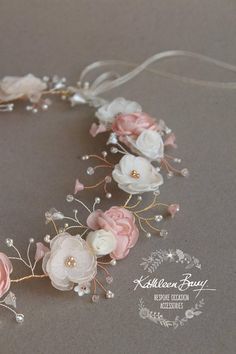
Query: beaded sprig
point(81, 251)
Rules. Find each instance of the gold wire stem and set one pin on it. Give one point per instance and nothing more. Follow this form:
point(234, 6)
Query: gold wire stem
point(150, 206)
point(133, 206)
point(141, 218)
point(95, 185)
point(101, 159)
point(128, 200)
point(152, 227)
point(102, 166)
point(100, 284)
point(171, 168)
point(105, 263)
point(55, 226)
point(94, 287)
point(29, 277)
point(105, 270)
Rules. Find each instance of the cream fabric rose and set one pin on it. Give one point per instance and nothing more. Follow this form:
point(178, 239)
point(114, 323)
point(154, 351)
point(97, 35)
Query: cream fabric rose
point(107, 112)
point(69, 261)
point(102, 242)
point(13, 87)
point(149, 144)
point(135, 175)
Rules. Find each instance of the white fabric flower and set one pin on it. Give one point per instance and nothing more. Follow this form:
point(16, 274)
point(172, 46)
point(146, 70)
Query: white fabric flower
point(108, 111)
point(135, 175)
point(13, 87)
point(82, 289)
point(69, 261)
point(102, 242)
point(149, 144)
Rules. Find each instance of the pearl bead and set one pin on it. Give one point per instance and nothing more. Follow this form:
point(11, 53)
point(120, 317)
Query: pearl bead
point(69, 198)
point(113, 262)
point(158, 218)
point(90, 171)
point(185, 172)
point(163, 233)
point(47, 238)
point(9, 242)
point(109, 295)
point(70, 262)
point(31, 240)
point(97, 200)
point(148, 235)
point(20, 318)
point(108, 195)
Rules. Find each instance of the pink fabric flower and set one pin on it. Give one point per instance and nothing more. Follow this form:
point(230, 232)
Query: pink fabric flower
point(78, 186)
point(173, 209)
point(97, 129)
point(133, 124)
point(5, 271)
point(122, 223)
point(170, 141)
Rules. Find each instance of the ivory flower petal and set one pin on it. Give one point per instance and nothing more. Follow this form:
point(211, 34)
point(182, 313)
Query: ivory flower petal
point(13, 87)
point(69, 261)
point(136, 175)
point(107, 112)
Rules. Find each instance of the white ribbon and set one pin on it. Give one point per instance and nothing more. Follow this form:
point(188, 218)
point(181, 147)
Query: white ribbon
point(110, 79)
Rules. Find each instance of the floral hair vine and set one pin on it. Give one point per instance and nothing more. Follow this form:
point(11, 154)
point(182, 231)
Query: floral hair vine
point(79, 255)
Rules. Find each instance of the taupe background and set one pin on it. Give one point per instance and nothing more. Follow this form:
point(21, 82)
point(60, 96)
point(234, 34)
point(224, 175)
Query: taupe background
point(39, 162)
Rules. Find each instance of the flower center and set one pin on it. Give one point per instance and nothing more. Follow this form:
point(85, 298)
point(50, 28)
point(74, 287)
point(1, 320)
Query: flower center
point(134, 174)
point(70, 262)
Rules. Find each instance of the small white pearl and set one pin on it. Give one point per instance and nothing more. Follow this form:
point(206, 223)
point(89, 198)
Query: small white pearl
point(148, 235)
point(31, 240)
point(108, 195)
point(113, 262)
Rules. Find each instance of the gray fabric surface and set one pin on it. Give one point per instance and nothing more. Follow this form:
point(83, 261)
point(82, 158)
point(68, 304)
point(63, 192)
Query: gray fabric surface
point(39, 163)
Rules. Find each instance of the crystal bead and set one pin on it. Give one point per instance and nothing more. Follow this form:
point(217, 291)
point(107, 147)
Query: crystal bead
point(109, 279)
point(148, 235)
point(112, 139)
point(114, 150)
point(163, 233)
point(109, 294)
point(47, 238)
point(158, 218)
point(108, 179)
point(113, 262)
point(170, 174)
point(20, 318)
point(95, 298)
point(108, 195)
point(90, 171)
point(9, 242)
point(44, 107)
point(104, 153)
point(69, 198)
point(185, 172)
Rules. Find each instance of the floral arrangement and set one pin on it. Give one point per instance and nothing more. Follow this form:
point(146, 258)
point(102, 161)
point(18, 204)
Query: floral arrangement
point(82, 250)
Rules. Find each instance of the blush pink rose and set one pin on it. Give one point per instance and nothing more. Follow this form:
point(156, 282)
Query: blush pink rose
point(133, 124)
point(121, 223)
point(5, 271)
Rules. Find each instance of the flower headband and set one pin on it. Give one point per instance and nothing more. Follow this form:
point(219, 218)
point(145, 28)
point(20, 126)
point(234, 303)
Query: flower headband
point(78, 256)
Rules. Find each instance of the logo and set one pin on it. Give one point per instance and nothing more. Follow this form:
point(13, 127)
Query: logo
point(173, 290)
